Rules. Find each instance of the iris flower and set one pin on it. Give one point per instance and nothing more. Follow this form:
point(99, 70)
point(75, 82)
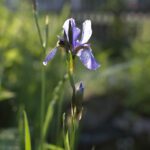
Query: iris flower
point(77, 47)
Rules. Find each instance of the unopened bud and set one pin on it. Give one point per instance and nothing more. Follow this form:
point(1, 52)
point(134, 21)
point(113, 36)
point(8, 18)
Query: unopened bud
point(79, 94)
point(79, 88)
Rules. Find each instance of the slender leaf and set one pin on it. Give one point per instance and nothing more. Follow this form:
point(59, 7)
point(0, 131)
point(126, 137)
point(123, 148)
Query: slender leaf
point(66, 142)
point(50, 110)
point(27, 133)
point(49, 116)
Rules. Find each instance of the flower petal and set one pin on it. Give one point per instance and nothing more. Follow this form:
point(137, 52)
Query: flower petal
point(66, 26)
point(71, 32)
point(76, 32)
point(88, 59)
point(50, 56)
point(87, 31)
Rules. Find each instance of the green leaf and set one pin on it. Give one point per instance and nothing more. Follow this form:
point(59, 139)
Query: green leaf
point(50, 109)
point(27, 132)
point(49, 116)
point(52, 147)
point(66, 142)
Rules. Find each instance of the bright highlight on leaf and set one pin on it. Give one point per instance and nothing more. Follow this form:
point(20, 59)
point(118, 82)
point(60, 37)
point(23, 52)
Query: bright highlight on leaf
point(52, 147)
point(66, 142)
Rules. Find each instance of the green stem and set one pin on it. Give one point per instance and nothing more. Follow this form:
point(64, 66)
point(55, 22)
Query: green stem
point(38, 28)
point(1, 76)
point(43, 90)
point(42, 104)
point(73, 129)
point(70, 67)
point(43, 75)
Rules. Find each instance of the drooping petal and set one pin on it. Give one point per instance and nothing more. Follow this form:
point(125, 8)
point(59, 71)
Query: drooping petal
point(86, 31)
point(88, 59)
point(80, 46)
point(50, 56)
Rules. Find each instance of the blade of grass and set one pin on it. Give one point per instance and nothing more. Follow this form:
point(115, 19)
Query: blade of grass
point(49, 116)
point(65, 134)
point(27, 132)
point(50, 110)
point(66, 142)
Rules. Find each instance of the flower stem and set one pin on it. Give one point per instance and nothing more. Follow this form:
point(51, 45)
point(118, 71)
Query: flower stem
point(38, 28)
point(70, 68)
point(43, 79)
point(73, 128)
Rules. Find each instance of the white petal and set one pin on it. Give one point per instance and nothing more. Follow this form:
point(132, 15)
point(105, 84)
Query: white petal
point(87, 31)
point(66, 26)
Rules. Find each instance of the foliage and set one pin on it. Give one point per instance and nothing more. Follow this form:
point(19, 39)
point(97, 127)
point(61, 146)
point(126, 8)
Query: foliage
point(140, 74)
point(27, 132)
point(21, 60)
point(21, 55)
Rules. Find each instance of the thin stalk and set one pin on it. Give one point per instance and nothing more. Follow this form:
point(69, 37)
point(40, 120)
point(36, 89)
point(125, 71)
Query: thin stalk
point(1, 76)
point(38, 28)
point(43, 73)
point(73, 129)
point(43, 93)
point(43, 90)
point(70, 68)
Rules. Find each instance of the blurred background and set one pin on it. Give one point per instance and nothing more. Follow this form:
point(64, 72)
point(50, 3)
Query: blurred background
point(117, 96)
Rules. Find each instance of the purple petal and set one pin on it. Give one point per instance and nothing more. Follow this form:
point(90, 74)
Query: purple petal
point(79, 89)
point(76, 32)
point(71, 31)
point(87, 31)
point(50, 56)
point(88, 59)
